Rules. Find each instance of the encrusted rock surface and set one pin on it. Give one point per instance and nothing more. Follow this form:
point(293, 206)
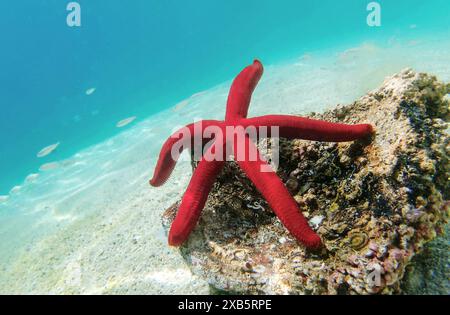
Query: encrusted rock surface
point(374, 202)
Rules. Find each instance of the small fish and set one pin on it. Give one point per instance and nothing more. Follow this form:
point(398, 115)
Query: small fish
point(125, 122)
point(49, 166)
point(198, 94)
point(90, 91)
point(47, 150)
point(15, 190)
point(3, 199)
point(180, 105)
point(31, 178)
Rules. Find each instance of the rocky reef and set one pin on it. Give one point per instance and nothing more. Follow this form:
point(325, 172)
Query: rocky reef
point(375, 202)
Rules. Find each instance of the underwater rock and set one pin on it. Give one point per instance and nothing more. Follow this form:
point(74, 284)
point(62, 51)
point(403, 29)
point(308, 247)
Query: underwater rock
point(379, 201)
point(429, 273)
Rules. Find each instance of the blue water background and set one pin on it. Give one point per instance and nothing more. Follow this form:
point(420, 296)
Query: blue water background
point(143, 56)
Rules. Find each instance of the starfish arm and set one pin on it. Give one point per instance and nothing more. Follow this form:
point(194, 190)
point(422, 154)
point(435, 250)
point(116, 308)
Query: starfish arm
point(183, 139)
point(293, 127)
point(241, 91)
point(194, 200)
point(277, 196)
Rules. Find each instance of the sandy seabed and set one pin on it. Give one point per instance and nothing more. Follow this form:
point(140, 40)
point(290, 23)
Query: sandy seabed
point(91, 224)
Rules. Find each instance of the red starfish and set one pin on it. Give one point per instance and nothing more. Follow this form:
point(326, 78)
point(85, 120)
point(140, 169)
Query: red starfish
point(267, 183)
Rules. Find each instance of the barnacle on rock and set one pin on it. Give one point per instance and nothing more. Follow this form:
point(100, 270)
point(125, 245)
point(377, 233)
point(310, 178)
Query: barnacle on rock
point(358, 240)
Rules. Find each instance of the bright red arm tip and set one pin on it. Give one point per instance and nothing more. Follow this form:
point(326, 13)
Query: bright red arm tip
point(242, 89)
point(273, 190)
point(165, 165)
point(312, 241)
point(294, 127)
point(185, 136)
point(194, 200)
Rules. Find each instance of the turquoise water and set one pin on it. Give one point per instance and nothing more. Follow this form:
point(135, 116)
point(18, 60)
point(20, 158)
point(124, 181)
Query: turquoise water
point(145, 56)
point(167, 63)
